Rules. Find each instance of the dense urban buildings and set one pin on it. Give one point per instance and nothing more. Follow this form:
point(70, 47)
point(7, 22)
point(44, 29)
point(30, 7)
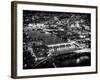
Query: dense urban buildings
point(56, 39)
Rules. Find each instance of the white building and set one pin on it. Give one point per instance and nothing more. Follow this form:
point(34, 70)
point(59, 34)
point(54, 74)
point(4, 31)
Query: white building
point(36, 26)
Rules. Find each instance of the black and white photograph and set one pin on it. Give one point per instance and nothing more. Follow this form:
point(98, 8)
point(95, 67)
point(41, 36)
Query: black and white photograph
point(56, 39)
point(53, 39)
